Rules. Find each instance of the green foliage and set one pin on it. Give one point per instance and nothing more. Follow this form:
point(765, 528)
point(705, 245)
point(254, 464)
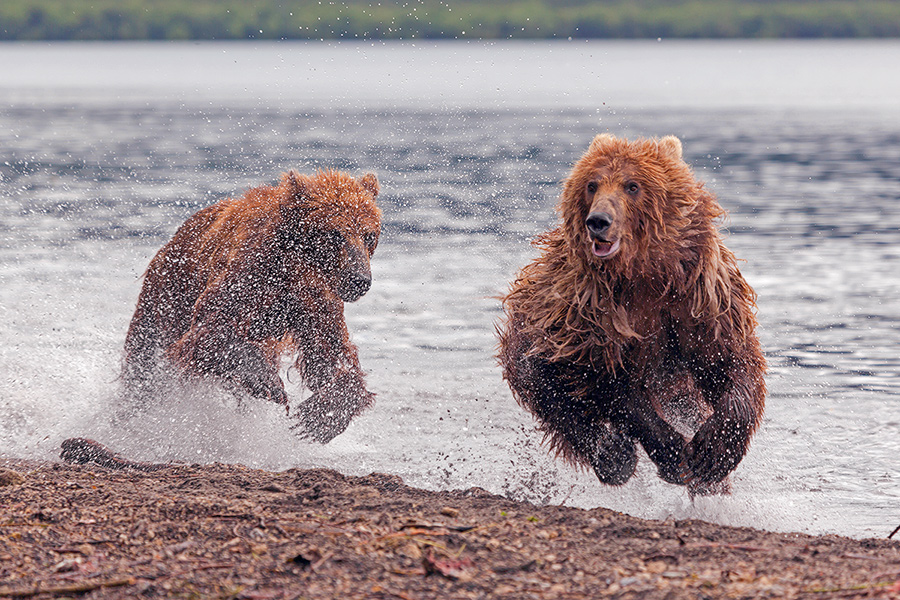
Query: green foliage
point(414, 19)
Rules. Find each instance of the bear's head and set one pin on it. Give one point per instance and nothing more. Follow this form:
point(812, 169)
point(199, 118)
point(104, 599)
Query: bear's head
point(332, 220)
point(629, 205)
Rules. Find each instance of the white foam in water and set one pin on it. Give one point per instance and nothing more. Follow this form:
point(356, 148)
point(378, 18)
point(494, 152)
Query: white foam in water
point(204, 424)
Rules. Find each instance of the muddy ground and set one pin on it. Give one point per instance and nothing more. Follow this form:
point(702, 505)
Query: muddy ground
point(227, 531)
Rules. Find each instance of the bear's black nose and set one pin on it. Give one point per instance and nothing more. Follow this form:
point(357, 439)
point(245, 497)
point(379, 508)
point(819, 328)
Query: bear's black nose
point(354, 287)
point(598, 223)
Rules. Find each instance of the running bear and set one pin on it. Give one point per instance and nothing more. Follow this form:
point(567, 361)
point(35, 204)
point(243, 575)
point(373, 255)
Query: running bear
point(634, 325)
point(247, 280)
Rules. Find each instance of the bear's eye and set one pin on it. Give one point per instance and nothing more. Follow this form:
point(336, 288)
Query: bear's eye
point(371, 241)
point(632, 187)
point(592, 187)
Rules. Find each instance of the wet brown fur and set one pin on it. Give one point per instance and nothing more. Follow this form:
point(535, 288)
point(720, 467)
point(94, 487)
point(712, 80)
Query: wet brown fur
point(248, 279)
point(664, 326)
point(84, 451)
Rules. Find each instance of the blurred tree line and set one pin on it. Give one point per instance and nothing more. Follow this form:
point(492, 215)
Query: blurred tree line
point(443, 19)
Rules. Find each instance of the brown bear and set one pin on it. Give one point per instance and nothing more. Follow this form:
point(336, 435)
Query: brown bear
point(634, 325)
point(246, 280)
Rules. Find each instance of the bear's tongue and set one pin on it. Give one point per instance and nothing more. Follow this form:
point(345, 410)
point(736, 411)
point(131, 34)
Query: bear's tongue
point(602, 249)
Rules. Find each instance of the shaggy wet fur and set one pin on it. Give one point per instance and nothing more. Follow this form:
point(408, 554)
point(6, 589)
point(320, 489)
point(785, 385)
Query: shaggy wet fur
point(246, 280)
point(634, 325)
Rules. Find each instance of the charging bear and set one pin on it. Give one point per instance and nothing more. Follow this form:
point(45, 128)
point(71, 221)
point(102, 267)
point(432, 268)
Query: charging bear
point(247, 280)
point(635, 326)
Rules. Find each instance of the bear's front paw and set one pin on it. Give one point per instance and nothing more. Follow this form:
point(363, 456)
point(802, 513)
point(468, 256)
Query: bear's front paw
point(670, 460)
point(714, 452)
point(320, 422)
point(263, 387)
point(327, 413)
point(614, 458)
point(719, 488)
point(676, 472)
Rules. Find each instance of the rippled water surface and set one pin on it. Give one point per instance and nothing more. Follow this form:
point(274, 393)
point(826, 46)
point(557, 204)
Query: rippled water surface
point(106, 149)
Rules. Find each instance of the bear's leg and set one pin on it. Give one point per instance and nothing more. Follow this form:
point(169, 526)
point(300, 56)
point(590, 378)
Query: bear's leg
point(663, 444)
point(736, 390)
point(220, 352)
point(614, 458)
point(141, 368)
point(719, 446)
point(575, 428)
point(253, 371)
point(330, 366)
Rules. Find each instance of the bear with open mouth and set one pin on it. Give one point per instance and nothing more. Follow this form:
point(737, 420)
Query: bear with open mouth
point(635, 326)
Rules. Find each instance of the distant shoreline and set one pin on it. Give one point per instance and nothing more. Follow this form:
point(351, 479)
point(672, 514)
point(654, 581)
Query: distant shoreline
point(49, 20)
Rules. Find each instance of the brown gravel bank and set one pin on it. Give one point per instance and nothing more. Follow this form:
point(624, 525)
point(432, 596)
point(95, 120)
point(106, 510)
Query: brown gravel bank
point(227, 531)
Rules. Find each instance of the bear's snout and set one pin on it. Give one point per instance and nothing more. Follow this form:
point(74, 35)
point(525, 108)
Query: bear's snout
point(598, 224)
point(602, 244)
point(354, 287)
point(356, 278)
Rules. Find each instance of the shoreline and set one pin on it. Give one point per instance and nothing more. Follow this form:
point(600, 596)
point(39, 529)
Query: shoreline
point(230, 531)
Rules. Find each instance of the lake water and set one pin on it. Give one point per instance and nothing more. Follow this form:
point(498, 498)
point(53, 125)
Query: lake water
point(107, 148)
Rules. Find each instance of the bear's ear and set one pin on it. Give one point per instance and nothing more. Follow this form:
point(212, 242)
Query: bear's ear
point(297, 185)
point(601, 140)
point(295, 194)
point(670, 146)
point(369, 182)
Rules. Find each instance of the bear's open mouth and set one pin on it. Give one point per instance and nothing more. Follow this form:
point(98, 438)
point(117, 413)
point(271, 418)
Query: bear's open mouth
point(604, 249)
